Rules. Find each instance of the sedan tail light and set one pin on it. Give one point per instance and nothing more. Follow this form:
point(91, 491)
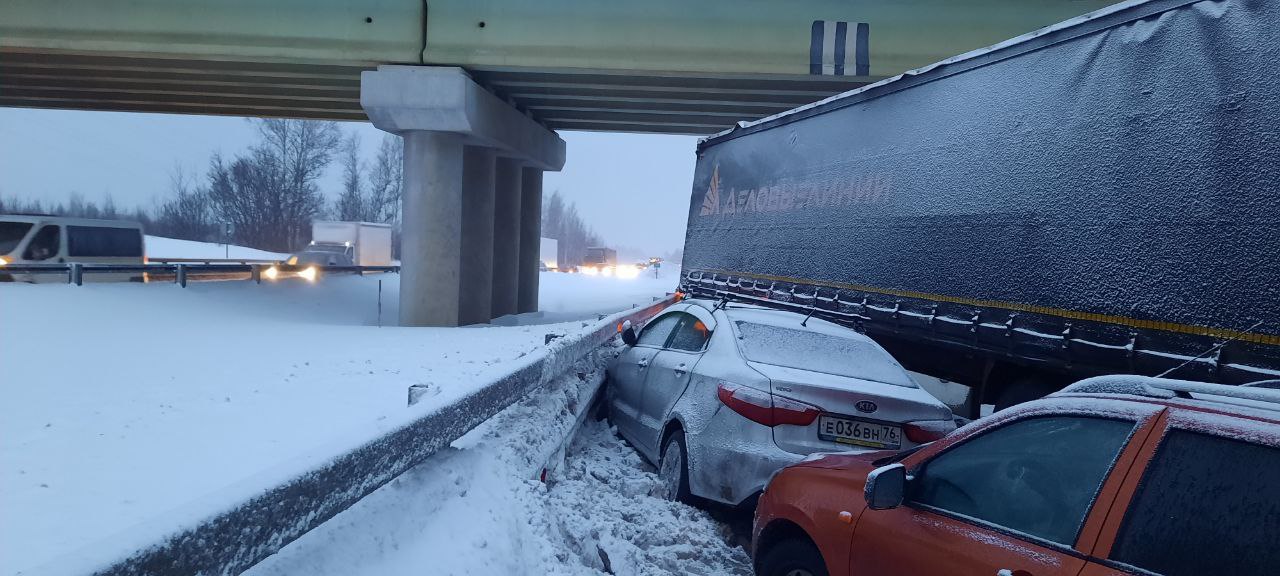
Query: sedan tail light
point(765, 408)
point(922, 431)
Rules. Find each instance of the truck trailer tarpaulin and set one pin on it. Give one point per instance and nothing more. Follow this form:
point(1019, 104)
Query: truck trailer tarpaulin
point(1102, 195)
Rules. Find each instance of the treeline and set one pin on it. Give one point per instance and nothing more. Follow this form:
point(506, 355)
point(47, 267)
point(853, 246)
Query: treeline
point(269, 194)
point(560, 220)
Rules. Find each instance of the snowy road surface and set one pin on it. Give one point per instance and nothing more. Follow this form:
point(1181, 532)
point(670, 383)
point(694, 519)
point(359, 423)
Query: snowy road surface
point(479, 509)
point(124, 401)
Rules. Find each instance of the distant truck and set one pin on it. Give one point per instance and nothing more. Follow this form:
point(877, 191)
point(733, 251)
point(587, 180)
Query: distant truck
point(548, 253)
point(600, 259)
point(347, 244)
point(1097, 197)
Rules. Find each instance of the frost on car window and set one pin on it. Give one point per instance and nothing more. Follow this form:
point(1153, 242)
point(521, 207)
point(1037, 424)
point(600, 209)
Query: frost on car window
point(819, 352)
point(656, 333)
point(1208, 505)
point(1037, 476)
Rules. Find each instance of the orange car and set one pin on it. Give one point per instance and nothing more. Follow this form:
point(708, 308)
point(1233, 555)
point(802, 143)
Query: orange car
point(1113, 475)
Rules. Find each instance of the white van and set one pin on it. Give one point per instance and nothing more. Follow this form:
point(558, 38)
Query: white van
point(35, 239)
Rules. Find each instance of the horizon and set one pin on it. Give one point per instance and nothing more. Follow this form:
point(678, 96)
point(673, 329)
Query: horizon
point(132, 157)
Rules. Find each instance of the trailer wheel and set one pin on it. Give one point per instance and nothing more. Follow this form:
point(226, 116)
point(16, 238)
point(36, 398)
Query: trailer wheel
point(1023, 390)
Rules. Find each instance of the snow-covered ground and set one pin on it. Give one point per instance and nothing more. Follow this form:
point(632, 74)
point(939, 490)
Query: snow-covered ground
point(479, 509)
point(161, 247)
point(123, 401)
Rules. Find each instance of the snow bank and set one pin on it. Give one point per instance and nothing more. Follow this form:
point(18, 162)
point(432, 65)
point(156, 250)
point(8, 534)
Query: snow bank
point(161, 247)
point(478, 510)
point(175, 394)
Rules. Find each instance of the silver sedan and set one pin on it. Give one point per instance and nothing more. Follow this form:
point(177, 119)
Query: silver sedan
point(721, 397)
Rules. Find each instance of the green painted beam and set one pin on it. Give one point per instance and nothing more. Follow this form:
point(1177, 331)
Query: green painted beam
point(669, 65)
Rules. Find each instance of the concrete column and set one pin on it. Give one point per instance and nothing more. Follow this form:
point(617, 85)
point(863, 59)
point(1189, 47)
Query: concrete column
point(477, 235)
point(506, 237)
point(447, 276)
point(530, 238)
point(430, 248)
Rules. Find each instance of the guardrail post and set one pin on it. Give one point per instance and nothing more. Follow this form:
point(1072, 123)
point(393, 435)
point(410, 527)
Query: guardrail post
point(181, 275)
point(255, 273)
point(76, 274)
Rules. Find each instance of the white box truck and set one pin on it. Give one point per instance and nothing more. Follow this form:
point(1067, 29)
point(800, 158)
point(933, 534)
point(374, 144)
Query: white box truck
point(347, 244)
point(548, 252)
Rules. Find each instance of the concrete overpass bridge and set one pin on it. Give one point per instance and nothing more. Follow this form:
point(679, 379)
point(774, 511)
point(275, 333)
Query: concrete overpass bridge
point(478, 88)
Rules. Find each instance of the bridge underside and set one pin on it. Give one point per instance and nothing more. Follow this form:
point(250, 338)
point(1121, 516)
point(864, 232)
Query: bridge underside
point(566, 99)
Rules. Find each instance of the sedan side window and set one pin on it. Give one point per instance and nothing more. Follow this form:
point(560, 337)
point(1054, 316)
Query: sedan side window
point(691, 335)
point(1037, 476)
point(1207, 505)
point(656, 333)
point(44, 245)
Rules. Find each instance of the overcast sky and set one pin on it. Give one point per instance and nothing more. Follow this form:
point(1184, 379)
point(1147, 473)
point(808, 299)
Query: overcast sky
point(632, 188)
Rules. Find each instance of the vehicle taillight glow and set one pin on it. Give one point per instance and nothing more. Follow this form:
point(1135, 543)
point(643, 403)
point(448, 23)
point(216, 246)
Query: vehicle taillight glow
point(765, 408)
point(922, 431)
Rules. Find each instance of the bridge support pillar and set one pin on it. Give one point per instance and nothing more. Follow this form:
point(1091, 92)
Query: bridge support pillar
point(466, 152)
point(506, 237)
point(476, 290)
point(430, 253)
point(530, 238)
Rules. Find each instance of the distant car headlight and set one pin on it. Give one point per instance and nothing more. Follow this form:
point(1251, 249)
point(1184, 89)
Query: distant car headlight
point(3, 260)
point(271, 273)
point(309, 273)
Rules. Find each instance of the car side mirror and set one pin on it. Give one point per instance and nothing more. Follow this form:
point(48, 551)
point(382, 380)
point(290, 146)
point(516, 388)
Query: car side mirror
point(886, 486)
point(629, 334)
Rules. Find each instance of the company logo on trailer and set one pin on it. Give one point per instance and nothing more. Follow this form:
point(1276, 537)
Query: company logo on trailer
point(865, 406)
point(818, 191)
point(711, 202)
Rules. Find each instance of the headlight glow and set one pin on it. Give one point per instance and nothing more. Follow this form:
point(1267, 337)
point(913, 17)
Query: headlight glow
point(309, 273)
point(271, 273)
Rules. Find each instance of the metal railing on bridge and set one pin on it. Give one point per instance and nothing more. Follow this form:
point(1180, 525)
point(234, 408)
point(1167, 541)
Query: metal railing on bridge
point(179, 271)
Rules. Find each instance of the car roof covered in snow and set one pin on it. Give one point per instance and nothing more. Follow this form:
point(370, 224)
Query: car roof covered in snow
point(756, 314)
point(1249, 401)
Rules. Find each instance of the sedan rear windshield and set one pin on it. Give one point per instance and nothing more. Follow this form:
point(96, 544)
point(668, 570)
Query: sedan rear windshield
point(12, 233)
point(808, 350)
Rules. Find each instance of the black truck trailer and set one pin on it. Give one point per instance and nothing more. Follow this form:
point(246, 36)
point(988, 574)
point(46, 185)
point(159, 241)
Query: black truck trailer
point(1100, 196)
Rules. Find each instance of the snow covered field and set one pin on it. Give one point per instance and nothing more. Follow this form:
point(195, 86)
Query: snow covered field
point(161, 247)
point(479, 508)
point(123, 401)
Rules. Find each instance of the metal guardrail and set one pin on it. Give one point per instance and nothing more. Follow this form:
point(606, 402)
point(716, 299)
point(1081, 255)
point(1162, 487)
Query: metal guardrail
point(214, 260)
point(211, 538)
point(181, 273)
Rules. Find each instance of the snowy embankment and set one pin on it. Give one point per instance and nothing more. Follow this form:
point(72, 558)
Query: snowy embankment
point(125, 401)
point(480, 509)
point(161, 247)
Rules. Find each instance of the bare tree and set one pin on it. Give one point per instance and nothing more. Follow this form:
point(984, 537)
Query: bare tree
point(560, 220)
point(187, 214)
point(385, 181)
point(352, 204)
point(271, 193)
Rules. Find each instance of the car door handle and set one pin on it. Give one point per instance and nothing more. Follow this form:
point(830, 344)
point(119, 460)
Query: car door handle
point(643, 363)
point(680, 371)
point(1008, 572)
